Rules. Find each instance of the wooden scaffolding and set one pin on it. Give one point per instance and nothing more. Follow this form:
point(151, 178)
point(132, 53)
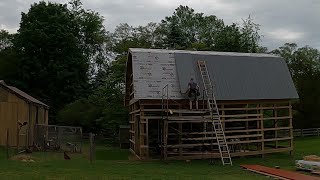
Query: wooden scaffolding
point(251, 128)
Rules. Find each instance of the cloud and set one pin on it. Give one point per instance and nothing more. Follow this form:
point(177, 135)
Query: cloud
point(281, 21)
point(285, 34)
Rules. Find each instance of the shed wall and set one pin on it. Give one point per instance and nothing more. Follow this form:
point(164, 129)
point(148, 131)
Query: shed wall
point(14, 109)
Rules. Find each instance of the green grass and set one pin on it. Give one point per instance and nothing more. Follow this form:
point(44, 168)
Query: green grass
point(112, 163)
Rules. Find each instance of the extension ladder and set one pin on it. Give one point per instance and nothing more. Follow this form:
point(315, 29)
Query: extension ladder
point(214, 113)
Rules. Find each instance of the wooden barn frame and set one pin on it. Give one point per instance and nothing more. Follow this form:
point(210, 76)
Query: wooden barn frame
point(164, 127)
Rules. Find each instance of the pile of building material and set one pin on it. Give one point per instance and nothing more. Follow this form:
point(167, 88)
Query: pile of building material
point(278, 173)
point(312, 158)
point(309, 163)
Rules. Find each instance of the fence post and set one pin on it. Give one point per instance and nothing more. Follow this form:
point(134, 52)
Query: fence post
point(7, 143)
point(301, 132)
point(91, 137)
point(318, 131)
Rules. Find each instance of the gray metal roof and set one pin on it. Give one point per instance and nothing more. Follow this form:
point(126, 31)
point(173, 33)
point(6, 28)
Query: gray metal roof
point(236, 76)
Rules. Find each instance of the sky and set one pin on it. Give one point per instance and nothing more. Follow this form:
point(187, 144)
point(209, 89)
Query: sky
point(281, 20)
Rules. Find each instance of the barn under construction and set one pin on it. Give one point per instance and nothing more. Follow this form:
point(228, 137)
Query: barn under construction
point(244, 106)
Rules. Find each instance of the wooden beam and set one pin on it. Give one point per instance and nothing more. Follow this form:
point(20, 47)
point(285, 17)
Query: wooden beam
point(278, 118)
point(135, 111)
point(132, 101)
point(229, 143)
point(277, 128)
point(241, 115)
point(235, 154)
point(227, 137)
point(265, 108)
point(266, 101)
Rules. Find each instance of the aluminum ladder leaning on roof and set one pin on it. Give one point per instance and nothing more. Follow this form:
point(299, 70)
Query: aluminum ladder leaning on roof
point(214, 113)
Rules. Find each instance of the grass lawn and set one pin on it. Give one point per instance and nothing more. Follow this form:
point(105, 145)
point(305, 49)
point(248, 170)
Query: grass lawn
point(113, 164)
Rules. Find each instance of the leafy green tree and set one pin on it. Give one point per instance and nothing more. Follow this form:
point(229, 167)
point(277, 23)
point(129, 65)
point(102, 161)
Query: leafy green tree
point(8, 58)
point(5, 40)
point(304, 66)
point(229, 39)
point(91, 34)
point(250, 36)
point(102, 110)
point(57, 46)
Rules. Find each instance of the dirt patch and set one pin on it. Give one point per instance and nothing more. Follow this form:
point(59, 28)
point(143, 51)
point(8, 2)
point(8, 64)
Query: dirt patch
point(132, 157)
point(23, 158)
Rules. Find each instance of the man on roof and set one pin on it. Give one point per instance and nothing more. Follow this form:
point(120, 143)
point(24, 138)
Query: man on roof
point(193, 89)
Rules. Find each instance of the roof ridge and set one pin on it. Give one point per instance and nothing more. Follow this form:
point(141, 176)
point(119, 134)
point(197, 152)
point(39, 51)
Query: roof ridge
point(218, 53)
point(22, 94)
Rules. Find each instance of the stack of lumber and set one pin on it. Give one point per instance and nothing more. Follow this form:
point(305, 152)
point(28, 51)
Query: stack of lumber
point(312, 158)
point(309, 163)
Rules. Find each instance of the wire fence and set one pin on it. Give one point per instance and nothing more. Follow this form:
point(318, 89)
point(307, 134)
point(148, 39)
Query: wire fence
point(58, 138)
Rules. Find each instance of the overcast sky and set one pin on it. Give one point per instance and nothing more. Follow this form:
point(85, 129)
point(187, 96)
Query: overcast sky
point(281, 20)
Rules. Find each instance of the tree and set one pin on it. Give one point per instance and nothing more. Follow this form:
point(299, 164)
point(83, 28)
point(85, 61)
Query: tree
point(304, 66)
point(229, 39)
point(91, 35)
point(8, 58)
point(56, 47)
point(102, 110)
point(250, 37)
point(5, 40)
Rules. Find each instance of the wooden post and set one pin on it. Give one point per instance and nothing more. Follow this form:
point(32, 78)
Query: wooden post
point(259, 123)
point(165, 139)
point(223, 118)
point(180, 139)
point(7, 143)
point(92, 149)
point(262, 131)
point(291, 128)
point(81, 140)
point(275, 124)
point(137, 131)
point(147, 137)
point(142, 133)
point(247, 125)
point(18, 137)
point(27, 139)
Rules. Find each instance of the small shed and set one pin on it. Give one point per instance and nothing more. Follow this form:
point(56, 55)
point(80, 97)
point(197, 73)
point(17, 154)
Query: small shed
point(17, 108)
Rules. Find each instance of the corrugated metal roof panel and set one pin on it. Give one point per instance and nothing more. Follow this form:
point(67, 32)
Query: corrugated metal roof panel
point(240, 78)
